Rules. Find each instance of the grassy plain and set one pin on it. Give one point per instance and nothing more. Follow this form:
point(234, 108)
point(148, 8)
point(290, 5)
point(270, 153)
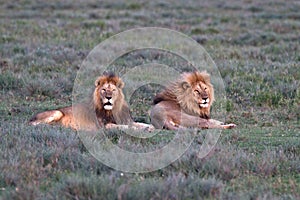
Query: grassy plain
point(255, 45)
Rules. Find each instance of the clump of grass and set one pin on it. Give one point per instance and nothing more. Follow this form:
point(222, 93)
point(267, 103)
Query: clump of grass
point(176, 186)
point(256, 38)
point(229, 106)
point(201, 31)
point(80, 187)
point(94, 23)
point(7, 38)
point(134, 6)
point(269, 99)
point(48, 87)
point(9, 81)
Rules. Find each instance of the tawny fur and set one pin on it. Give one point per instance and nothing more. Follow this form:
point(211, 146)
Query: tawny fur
point(182, 96)
point(93, 115)
point(179, 105)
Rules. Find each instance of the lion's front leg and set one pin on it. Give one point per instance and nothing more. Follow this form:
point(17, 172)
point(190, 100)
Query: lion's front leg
point(212, 123)
point(116, 126)
point(143, 126)
point(192, 121)
point(228, 126)
point(134, 125)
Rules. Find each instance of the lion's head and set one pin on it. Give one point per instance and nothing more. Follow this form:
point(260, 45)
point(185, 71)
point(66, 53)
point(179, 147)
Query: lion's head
point(195, 93)
point(108, 93)
point(192, 91)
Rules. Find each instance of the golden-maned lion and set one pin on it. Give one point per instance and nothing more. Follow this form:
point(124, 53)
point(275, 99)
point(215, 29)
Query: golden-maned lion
point(186, 103)
point(107, 108)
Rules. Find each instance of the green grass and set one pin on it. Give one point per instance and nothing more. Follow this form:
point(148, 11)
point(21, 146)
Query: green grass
point(255, 45)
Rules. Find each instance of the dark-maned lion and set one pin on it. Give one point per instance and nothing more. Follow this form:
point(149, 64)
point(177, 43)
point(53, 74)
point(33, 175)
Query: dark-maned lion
point(186, 103)
point(108, 108)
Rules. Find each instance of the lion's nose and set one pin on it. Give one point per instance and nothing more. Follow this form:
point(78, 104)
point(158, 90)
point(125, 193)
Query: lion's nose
point(108, 98)
point(205, 98)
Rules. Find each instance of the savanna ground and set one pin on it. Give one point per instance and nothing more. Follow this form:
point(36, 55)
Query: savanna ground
point(255, 45)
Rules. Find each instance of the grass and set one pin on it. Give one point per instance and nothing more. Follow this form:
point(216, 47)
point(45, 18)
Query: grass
point(255, 46)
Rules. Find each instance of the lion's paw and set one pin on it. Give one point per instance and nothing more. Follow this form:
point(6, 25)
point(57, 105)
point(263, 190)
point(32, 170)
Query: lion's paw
point(228, 126)
point(150, 128)
point(110, 126)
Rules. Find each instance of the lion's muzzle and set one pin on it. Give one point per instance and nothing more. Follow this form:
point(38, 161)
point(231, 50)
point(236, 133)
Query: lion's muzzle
point(108, 103)
point(204, 103)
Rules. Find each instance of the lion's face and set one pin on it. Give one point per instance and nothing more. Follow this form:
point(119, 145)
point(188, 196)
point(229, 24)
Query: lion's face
point(201, 95)
point(195, 93)
point(108, 92)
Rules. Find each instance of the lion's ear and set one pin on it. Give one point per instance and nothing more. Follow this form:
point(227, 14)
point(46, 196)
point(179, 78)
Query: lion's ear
point(120, 84)
point(97, 82)
point(185, 85)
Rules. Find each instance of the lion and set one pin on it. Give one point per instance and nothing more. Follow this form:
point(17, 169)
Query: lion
point(107, 109)
point(186, 103)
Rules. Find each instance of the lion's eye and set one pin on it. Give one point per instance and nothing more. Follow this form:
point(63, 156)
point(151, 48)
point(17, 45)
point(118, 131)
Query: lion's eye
point(205, 88)
point(103, 90)
point(197, 92)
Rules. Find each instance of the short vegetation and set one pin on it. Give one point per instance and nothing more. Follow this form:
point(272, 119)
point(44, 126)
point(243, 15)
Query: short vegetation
point(255, 45)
